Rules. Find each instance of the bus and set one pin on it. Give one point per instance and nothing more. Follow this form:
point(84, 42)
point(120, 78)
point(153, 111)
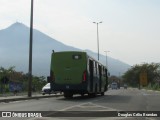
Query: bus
point(75, 72)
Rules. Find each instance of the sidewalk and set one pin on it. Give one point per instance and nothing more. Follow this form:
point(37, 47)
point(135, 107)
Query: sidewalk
point(9, 98)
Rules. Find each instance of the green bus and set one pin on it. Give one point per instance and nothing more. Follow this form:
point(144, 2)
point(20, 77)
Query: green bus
point(75, 72)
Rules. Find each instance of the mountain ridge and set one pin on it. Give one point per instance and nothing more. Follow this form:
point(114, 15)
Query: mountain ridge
point(14, 46)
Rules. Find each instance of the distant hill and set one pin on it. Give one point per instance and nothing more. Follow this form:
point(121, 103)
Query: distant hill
point(14, 51)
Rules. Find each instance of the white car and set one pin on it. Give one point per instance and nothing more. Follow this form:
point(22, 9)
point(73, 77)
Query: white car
point(46, 89)
point(114, 85)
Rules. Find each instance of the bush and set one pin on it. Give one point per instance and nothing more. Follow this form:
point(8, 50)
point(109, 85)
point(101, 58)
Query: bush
point(155, 86)
point(149, 86)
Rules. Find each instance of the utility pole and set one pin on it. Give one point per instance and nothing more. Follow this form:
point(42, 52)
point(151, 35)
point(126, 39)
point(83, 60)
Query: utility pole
point(30, 53)
point(97, 37)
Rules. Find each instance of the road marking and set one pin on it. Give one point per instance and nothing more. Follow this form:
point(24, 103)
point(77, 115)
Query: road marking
point(88, 105)
point(99, 106)
point(70, 107)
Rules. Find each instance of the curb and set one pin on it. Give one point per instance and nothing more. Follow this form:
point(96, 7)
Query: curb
point(150, 90)
point(7, 100)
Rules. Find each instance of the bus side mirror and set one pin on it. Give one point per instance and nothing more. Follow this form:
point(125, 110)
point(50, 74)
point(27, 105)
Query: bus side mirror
point(48, 79)
point(108, 74)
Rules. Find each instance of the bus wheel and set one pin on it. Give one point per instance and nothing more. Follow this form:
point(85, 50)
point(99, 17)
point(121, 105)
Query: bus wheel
point(68, 95)
point(95, 90)
point(102, 93)
point(91, 95)
point(82, 95)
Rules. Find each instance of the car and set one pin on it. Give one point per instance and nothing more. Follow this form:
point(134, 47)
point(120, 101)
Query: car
point(46, 89)
point(114, 85)
point(125, 86)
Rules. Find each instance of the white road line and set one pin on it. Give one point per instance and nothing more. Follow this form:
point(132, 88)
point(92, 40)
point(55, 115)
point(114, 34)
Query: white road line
point(70, 107)
point(95, 105)
point(92, 104)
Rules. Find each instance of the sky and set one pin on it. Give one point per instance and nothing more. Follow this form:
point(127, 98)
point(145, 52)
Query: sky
point(130, 29)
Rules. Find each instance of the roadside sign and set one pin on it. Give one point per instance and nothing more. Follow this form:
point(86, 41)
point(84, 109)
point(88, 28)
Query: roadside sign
point(143, 78)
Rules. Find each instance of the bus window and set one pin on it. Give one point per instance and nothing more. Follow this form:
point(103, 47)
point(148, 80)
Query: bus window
point(96, 67)
point(76, 57)
point(103, 72)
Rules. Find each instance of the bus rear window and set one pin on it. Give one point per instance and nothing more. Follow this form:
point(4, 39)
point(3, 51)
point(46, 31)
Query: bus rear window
point(76, 57)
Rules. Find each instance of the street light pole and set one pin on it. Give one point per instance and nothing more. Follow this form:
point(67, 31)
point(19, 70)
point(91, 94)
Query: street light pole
point(30, 53)
point(97, 38)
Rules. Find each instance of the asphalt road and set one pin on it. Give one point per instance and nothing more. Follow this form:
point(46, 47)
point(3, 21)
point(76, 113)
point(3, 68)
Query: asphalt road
point(114, 100)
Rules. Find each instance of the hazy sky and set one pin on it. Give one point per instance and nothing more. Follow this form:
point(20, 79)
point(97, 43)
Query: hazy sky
point(130, 28)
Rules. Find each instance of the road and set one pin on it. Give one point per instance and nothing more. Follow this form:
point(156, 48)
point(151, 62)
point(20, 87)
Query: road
point(113, 100)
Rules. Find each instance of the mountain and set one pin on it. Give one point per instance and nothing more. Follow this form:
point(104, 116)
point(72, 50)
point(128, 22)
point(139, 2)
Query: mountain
point(14, 51)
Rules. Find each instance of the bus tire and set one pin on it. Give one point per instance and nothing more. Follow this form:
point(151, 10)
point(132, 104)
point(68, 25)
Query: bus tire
point(91, 95)
point(96, 90)
point(82, 95)
point(68, 95)
point(102, 93)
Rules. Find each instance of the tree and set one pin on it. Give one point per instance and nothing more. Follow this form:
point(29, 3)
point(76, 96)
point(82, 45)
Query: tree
point(19, 77)
point(38, 83)
point(132, 75)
